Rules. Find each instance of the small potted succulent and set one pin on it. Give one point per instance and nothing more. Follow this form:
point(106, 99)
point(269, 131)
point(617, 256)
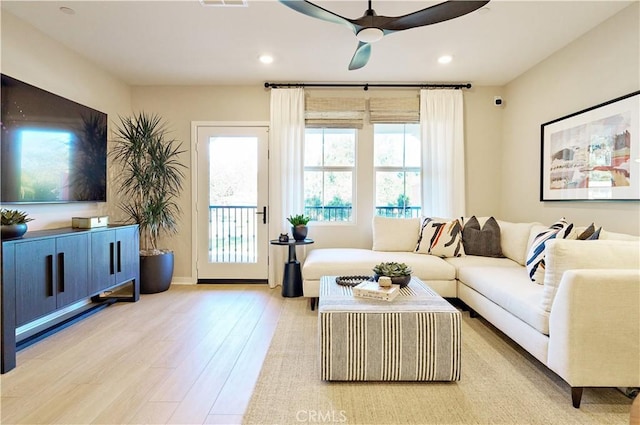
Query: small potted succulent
point(13, 223)
point(299, 227)
point(399, 273)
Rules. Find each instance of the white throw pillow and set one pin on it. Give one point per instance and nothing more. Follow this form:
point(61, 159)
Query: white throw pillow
point(514, 240)
point(395, 234)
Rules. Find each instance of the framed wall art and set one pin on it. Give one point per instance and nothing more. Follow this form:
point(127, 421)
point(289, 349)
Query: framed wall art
point(593, 154)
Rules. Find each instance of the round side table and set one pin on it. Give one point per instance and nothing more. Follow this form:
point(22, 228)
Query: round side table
point(292, 278)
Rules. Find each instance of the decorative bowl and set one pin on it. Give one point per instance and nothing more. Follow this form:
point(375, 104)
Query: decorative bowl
point(397, 280)
point(11, 231)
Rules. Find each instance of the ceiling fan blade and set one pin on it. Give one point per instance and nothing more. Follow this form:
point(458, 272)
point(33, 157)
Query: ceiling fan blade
point(315, 11)
point(361, 56)
point(431, 15)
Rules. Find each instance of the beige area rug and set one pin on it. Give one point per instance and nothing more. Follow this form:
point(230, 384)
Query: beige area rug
point(500, 384)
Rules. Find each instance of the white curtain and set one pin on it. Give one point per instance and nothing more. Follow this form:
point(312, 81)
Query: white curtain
point(286, 140)
point(442, 128)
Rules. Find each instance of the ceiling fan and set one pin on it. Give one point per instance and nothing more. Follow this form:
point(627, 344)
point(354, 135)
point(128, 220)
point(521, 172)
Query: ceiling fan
point(370, 27)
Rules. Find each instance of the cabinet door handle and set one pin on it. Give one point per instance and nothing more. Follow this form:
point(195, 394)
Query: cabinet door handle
point(61, 271)
point(49, 261)
point(119, 257)
point(111, 257)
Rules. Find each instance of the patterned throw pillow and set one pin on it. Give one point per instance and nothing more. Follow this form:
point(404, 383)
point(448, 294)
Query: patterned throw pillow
point(440, 238)
point(535, 258)
point(484, 241)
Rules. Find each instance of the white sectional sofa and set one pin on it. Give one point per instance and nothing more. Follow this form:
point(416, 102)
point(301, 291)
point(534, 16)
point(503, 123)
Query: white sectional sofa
point(582, 321)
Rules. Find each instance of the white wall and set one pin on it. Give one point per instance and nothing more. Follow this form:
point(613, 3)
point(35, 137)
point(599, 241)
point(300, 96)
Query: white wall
point(483, 142)
point(599, 66)
point(34, 58)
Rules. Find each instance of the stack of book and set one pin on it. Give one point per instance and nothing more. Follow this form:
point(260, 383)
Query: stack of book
point(372, 290)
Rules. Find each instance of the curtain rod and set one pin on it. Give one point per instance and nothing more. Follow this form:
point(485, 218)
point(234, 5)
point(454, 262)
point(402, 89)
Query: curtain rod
point(366, 86)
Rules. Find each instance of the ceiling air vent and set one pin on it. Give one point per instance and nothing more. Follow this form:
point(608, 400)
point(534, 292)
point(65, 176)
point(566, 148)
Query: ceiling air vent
point(224, 3)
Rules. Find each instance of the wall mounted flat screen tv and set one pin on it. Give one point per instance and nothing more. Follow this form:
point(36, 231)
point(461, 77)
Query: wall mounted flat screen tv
point(52, 150)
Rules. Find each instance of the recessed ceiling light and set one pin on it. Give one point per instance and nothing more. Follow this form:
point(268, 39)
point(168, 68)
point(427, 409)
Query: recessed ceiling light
point(67, 10)
point(445, 59)
point(484, 10)
point(224, 3)
point(266, 59)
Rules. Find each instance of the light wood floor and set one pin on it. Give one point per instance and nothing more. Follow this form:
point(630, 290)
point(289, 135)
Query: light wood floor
point(190, 355)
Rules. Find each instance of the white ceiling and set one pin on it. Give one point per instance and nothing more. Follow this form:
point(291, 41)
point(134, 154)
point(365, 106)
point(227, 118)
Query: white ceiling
point(184, 43)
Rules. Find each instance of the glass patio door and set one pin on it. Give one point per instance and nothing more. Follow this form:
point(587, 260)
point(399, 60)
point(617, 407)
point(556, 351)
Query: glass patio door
point(232, 241)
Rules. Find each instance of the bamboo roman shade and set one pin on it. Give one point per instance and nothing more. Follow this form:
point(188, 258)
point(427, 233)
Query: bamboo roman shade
point(334, 112)
point(346, 112)
point(394, 110)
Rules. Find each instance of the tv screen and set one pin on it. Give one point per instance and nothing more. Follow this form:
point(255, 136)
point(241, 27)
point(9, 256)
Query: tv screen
point(51, 149)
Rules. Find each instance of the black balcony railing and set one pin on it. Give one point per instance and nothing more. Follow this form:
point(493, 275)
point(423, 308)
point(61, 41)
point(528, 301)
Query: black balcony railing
point(233, 234)
point(343, 213)
point(399, 212)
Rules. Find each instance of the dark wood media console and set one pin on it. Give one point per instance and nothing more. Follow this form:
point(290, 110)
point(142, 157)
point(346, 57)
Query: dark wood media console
point(48, 270)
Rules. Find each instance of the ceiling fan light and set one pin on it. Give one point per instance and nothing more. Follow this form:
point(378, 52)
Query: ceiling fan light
point(369, 35)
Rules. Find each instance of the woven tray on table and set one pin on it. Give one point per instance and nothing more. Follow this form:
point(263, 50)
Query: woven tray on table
point(351, 280)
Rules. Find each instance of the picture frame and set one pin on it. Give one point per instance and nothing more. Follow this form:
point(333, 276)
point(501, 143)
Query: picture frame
point(593, 154)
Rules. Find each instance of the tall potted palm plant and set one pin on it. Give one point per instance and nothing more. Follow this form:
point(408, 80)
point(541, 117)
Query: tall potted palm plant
point(150, 180)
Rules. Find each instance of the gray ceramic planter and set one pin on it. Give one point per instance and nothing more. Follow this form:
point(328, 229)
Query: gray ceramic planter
point(156, 272)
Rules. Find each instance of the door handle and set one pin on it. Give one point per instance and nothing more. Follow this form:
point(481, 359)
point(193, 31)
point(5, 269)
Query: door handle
point(111, 258)
point(61, 272)
point(264, 214)
point(119, 258)
point(49, 266)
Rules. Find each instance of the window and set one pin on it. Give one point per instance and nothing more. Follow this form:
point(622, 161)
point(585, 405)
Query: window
point(397, 159)
point(329, 173)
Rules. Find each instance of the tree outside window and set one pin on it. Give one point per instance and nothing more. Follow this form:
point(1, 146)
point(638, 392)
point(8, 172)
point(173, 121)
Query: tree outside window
point(397, 164)
point(329, 170)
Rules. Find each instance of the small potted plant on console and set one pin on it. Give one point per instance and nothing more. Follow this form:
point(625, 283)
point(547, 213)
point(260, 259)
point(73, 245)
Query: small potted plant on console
point(399, 273)
point(299, 227)
point(13, 223)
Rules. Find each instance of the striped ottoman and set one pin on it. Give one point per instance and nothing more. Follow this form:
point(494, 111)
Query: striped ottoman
point(415, 337)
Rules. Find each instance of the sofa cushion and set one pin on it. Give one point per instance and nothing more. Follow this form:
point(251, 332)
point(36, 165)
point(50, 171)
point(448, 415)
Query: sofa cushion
point(605, 235)
point(440, 238)
point(395, 234)
point(514, 240)
point(355, 261)
point(478, 261)
point(511, 289)
point(483, 241)
point(568, 254)
point(536, 257)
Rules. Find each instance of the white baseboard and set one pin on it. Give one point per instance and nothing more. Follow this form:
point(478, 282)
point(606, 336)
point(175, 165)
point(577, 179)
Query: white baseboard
point(183, 281)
